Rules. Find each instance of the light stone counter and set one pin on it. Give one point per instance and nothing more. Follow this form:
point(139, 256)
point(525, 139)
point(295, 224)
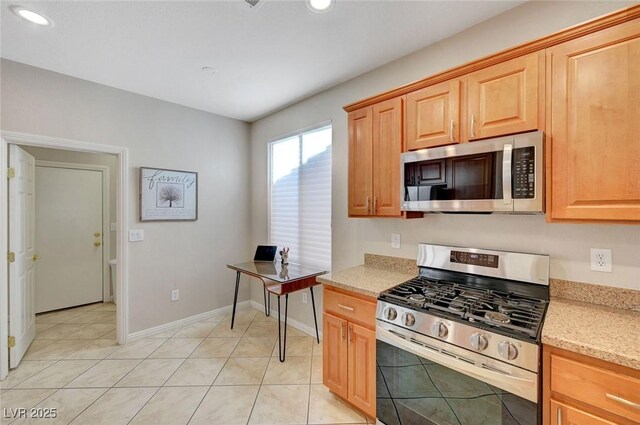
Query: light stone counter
point(606, 333)
point(377, 274)
point(367, 280)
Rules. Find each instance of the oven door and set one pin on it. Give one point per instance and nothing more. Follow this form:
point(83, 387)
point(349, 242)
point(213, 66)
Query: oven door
point(422, 382)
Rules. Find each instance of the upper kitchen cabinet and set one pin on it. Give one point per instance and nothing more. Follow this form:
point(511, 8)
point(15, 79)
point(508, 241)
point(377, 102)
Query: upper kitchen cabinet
point(387, 147)
point(360, 162)
point(375, 145)
point(506, 98)
point(433, 116)
point(595, 126)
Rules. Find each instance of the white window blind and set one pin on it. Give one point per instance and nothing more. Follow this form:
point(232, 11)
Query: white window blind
point(300, 196)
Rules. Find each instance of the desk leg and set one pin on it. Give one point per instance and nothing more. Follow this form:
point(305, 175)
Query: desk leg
point(267, 301)
point(235, 299)
point(315, 319)
point(282, 344)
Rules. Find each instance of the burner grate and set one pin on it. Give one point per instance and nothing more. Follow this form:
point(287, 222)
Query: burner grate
point(508, 311)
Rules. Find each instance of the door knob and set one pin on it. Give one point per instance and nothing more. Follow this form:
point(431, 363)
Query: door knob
point(97, 243)
point(35, 257)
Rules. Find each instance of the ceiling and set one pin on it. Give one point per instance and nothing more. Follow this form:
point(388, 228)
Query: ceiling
point(265, 57)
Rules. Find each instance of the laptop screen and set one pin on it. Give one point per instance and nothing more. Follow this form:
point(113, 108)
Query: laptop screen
point(265, 253)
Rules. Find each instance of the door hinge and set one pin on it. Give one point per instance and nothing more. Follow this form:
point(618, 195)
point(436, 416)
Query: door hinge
point(11, 257)
point(12, 341)
point(11, 173)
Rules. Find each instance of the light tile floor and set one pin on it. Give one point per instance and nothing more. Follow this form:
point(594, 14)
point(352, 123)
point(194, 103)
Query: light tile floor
point(201, 374)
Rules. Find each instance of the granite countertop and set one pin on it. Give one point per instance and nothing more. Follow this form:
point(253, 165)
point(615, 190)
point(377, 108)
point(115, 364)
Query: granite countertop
point(606, 333)
point(366, 279)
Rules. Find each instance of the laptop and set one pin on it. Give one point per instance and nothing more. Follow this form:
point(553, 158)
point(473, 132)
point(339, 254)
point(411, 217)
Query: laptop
point(265, 253)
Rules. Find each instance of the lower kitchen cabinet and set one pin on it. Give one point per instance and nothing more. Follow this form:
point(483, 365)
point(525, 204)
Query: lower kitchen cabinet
point(580, 390)
point(334, 353)
point(349, 348)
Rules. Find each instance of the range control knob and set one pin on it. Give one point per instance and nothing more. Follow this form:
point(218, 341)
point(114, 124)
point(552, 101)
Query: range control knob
point(440, 330)
point(390, 313)
point(507, 350)
point(408, 319)
point(478, 342)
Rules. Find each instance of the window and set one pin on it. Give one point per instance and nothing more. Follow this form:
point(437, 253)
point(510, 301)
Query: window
point(300, 196)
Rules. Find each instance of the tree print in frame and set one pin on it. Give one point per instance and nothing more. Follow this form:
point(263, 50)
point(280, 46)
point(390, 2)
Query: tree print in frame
point(168, 195)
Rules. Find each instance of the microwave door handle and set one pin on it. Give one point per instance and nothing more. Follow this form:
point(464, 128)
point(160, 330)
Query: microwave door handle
point(506, 173)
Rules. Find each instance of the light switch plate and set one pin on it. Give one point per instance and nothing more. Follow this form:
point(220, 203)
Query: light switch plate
point(136, 235)
point(395, 240)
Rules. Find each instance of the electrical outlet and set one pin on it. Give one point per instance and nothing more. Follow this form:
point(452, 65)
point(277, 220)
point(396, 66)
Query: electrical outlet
point(175, 294)
point(601, 260)
point(304, 298)
point(136, 235)
point(395, 240)
point(114, 227)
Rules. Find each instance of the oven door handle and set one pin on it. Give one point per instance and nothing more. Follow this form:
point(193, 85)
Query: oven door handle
point(525, 385)
point(507, 175)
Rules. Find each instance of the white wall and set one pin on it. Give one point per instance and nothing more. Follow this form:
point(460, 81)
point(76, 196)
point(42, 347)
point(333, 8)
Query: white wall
point(568, 244)
point(190, 256)
point(106, 160)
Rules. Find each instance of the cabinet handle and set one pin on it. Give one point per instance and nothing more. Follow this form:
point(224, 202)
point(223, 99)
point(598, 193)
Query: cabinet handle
point(623, 401)
point(559, 416)
point(473, 122)
point(346, 307)
point(342, 335)
point(451, 131)
point(375, 205)
point(367, 205)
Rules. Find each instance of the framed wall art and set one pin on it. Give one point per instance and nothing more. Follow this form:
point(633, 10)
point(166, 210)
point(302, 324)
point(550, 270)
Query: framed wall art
point(168, 195)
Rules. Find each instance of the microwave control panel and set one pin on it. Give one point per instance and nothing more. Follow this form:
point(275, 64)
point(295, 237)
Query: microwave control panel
point(524, 165)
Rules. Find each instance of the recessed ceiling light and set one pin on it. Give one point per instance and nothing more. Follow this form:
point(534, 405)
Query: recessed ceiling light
point(319, 5)
point(31, 16)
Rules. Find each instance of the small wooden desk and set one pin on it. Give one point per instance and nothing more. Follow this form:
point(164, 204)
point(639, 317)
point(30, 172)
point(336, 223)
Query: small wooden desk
point(280, 280)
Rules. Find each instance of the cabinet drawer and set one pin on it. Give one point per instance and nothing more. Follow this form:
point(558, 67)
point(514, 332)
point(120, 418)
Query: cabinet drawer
point(597, 387)
point(564, 414)
point(351, 308)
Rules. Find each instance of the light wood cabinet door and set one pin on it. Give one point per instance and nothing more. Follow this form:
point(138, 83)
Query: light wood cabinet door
point(360, 162)
point(433, 116)
point(334, 355)
point(387, 147)
point(362, 368)
point(505, 98)
point(595, 126)
point(562, 414)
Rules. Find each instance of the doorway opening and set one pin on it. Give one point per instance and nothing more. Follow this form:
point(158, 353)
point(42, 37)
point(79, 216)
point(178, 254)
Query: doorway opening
point(66, 218)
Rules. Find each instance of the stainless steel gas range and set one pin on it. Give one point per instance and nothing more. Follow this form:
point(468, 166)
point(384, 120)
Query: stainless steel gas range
point(460, 343)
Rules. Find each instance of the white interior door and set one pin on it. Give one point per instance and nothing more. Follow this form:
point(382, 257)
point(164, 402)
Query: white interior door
point(22, 271)
point(69, 237)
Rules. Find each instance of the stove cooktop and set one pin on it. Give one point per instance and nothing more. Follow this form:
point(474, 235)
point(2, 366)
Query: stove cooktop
point(502, 310)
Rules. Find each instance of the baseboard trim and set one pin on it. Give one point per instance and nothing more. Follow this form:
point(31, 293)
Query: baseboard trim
point(310, 330)
point(183, 322)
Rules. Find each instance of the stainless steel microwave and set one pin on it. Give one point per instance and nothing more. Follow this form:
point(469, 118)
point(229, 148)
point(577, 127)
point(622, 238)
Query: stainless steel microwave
point(501, 175)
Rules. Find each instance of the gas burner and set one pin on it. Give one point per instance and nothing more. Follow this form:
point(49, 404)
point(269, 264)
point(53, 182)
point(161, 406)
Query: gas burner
point(494, 316)
point(417, 298)
point(429, 292)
